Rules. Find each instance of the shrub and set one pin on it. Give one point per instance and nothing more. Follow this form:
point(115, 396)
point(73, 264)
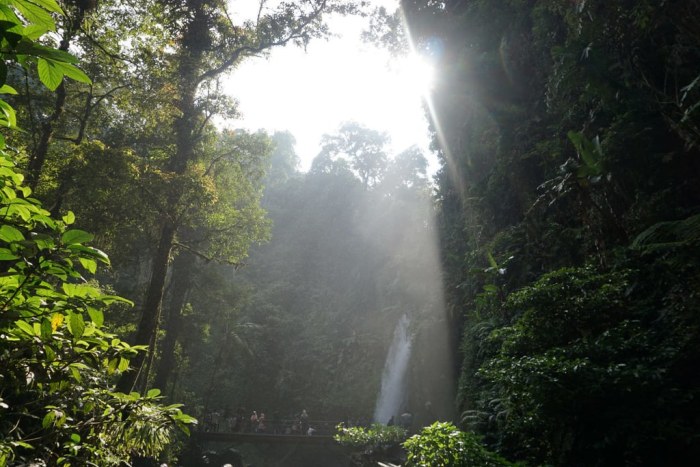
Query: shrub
point(443, 445)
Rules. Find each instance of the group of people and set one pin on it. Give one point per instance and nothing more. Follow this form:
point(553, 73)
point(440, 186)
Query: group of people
point(229, 421)
point(257, 422)
point(237, 422)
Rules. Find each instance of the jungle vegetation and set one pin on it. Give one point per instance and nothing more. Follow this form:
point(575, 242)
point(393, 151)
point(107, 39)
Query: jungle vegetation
point(568, 231)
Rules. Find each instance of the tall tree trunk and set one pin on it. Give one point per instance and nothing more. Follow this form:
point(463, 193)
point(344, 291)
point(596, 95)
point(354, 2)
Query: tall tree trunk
point(148, 326)
point(183, 271)
point(190, 63)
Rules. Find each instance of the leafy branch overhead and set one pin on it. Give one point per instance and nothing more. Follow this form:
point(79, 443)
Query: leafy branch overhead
point(22, 23)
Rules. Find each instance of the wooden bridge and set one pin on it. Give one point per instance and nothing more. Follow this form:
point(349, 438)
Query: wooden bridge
point(261, 438)
point(278, 446)
point(277, 431)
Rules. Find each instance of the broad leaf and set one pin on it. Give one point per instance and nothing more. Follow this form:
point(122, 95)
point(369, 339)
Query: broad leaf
point(74, 236)
point(76, 325)
point(46, 329)
point(49, 73)
point(90, 265)
point(49, 5)
point(7, 89)
point(35, 14)
point(96, 316)
point(7, 255)
point(73, 72)
point(8, 117)
point(28, 47)
point(10, 234)
point(26, 327)
point(69, 218)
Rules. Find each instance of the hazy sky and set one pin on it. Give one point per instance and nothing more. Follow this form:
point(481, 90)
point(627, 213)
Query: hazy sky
point(311, 93)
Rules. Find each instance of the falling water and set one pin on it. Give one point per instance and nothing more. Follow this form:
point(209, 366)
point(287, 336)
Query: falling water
point(392, 393)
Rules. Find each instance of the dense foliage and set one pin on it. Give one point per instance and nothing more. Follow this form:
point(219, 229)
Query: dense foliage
point(440, 444)
point(569, 221)
point(568, 209)
point(370, 439)
point(57, 400)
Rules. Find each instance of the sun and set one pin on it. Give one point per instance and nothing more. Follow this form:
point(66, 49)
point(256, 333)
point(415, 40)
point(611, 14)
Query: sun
point(416, 73)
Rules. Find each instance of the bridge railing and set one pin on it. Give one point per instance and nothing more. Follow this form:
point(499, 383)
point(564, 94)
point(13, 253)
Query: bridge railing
point(292, 427)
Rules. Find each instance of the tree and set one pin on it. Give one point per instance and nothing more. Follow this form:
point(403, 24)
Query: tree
point(208, 45)
point(361, 147)
point(325, 296)
point(221, 230)
point(408, 170)
point(284, 162)
point(57, 400)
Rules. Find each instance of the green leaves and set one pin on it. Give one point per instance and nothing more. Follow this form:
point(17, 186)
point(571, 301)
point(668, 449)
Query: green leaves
point(37, 15)
point(369, 439)
point(57, 331)
point(26, 327)
point(51, 73)
point(443, 444)
point(76, 325)
point(7, 89)
point(49, 5)
point(590, 153)
point(69, 218)
point(8, 117)
point(57, 360)
point(21, 35)
point(75, 236)
point(10, 234)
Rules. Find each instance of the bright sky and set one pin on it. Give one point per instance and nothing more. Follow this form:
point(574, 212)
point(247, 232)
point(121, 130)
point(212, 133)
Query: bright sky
point(312, 93)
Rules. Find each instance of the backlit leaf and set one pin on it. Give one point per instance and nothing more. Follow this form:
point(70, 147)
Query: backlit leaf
point(46, 329)
point(96, 316)
point(35, 14)
point(49, 5)
point(89, 264)
point(49, 73)
point(69, 218)
point(74, 73)
point(76, 325)
point(24, 326)
point(7, 89)
point(10, 234)
point(74, 236)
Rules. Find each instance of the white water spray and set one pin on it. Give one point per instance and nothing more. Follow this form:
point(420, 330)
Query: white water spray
point(393, 392)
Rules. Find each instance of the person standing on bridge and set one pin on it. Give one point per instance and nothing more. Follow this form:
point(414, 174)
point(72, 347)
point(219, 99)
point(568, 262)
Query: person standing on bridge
point(254, 421)
point(304, 420)
point(261, 423)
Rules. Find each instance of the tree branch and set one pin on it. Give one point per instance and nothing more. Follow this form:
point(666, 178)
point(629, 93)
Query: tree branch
point(205, 257)
point(248, 50)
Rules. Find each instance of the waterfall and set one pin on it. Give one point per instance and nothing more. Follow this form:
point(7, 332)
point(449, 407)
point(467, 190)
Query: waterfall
point(392, 393)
